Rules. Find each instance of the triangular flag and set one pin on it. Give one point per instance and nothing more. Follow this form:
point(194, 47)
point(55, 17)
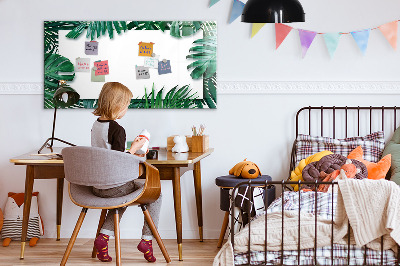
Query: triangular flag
point(281, 31)
point(255, 28)
point(332, 41)
point(213, 2)
point(306, 39)
point(390, 32)
point(361, 37)
point(237, 8)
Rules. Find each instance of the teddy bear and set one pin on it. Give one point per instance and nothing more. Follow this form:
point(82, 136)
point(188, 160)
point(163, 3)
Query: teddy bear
point(13, 215)
point(180, 144)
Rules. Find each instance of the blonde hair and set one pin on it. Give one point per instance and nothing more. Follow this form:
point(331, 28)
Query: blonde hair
point(113, 97)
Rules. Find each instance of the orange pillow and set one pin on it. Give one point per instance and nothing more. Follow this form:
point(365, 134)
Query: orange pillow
point(375, 170)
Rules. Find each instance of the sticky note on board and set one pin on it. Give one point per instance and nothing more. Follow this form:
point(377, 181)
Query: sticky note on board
point(82, 65)
point(92, 48)
point(142, 72)
point(102, 67)
point(151, 62)
point(95, 78)
point(164, 67)
point(146, 48)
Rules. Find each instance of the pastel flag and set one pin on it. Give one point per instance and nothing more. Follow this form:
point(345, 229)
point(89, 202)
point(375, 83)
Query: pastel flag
point(237, 8)
point(306, 39)
point(281, 31)
point(213, 2)
point(256, 28)
point(332, 41)
point(361, 37)
point(389, 30)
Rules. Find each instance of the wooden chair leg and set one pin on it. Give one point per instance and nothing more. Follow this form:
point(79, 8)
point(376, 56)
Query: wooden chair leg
point(101, 222)
point(154, 230)
point(73, 237)
point(117, 239)
point(223, 229)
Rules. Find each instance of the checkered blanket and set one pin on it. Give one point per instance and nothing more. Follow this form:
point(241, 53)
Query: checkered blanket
point(324, 206)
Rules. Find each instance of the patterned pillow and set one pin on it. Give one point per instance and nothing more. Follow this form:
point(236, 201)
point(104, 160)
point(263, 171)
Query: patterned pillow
point(372, 144)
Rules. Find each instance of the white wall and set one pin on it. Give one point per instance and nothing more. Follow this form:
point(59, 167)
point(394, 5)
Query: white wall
point(259, 127)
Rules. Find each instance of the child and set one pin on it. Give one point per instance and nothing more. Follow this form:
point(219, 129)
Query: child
point(106, 133)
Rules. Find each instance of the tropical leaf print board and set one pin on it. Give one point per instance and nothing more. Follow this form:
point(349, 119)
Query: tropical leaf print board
point(116, 50)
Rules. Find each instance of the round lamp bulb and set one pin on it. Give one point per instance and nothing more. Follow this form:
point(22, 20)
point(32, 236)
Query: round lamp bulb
point(64, 97)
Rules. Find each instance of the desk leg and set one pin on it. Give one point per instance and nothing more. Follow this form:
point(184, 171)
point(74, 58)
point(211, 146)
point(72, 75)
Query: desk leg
point(199, 204)
point(27, 206)
point(60, 190)
point(176, 183)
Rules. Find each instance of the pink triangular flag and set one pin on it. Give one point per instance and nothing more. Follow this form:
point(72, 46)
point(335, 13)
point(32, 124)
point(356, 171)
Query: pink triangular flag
point(306, 39)
point(389, 30)
point(281, 31)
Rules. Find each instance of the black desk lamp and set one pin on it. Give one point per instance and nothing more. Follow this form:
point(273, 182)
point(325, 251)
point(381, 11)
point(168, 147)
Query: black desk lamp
point(64, 96)
point(273, 11)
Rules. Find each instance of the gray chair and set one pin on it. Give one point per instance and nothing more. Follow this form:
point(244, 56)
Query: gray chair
point(85, 167)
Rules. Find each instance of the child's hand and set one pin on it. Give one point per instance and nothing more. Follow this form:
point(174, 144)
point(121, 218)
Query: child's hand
point(137, 144)
point(142, 155)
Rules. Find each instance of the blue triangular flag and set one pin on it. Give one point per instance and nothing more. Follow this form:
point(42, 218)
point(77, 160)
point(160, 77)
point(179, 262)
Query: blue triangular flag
point(213, 2)
point(361, 37)
point(332, 41)
point(237, 8)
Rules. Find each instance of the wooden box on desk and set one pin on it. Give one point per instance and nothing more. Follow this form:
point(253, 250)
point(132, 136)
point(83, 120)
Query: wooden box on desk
point(200, 143)
point(171, 143)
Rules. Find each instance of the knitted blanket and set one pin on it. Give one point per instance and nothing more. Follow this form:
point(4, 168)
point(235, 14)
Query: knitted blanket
point(371, 207)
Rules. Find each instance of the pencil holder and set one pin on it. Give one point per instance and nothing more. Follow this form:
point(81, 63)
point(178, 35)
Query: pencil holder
point(200, 143)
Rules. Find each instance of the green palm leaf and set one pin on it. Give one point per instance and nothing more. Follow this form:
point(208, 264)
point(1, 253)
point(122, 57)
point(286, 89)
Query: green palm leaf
point(96, 29)
point(174, 99)
point(149, 25)
point(51, 29)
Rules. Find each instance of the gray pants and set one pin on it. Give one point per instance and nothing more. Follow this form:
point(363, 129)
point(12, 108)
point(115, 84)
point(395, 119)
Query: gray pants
point(154, 208)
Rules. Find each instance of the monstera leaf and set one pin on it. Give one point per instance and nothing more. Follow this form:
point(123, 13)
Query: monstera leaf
point(53, 65)
point(205, 54)
point(180, 29)
point(97, 29)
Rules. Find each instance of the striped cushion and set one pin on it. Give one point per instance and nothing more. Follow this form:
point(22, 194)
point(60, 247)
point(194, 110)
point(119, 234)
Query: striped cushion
point(372, 145)
point(13, 228)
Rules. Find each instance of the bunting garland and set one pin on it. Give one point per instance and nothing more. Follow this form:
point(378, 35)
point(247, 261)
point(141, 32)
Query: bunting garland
point(237, 8)
point(332, 41)
point(281, 31)
point(256, 27)
point(389, 30)
point(306, 39)
point(361, 37)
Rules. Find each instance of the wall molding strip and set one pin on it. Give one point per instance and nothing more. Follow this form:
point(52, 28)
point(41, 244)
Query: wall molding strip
point(260, 87)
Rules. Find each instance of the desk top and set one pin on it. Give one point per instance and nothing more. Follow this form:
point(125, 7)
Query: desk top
point(164, 157)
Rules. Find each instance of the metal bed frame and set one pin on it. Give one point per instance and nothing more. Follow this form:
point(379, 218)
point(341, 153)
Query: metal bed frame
point(283, 184)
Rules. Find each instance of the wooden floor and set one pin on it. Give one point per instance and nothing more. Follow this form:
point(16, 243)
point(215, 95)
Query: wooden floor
point(50, 252)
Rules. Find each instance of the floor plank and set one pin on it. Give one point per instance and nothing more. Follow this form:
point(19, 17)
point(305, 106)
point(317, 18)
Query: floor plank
point(49, 252)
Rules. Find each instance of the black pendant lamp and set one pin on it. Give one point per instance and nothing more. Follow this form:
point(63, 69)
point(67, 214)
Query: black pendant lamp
point(273, 11)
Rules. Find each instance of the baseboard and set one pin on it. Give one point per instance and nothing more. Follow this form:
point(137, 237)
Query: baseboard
point(259, 87)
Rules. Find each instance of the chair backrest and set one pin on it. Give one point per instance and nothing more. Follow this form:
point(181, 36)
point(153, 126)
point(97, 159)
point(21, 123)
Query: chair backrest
point(92, 166)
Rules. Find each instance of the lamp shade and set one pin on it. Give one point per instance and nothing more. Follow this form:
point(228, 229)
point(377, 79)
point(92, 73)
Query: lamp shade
point(65, 96)
point(273, 11)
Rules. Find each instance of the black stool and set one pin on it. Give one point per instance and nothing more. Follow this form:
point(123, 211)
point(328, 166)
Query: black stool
point(226, 183)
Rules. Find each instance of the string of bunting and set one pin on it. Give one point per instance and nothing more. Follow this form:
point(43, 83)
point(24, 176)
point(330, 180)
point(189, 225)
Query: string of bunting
point(361, 37)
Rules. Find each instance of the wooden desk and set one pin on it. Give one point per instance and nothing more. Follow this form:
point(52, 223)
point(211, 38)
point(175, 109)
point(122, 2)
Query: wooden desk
point(171, 167)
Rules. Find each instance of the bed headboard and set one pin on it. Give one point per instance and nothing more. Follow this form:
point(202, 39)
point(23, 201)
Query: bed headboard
point(344, 121)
